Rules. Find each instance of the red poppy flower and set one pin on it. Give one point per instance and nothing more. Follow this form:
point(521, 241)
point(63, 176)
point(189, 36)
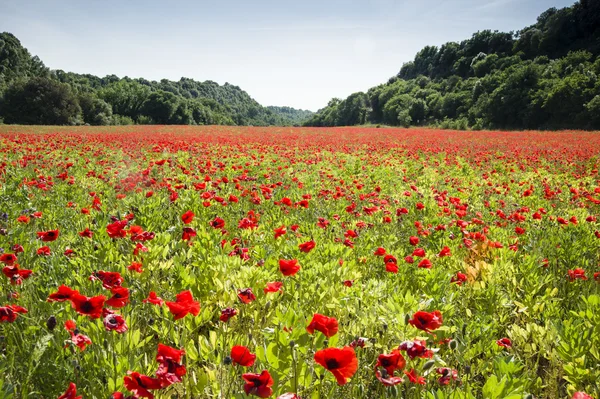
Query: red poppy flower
point(227, 314)
point(140, 384)
point(390, 259)
point(48, 236)
point(427, 321)
point(348, 283)
point(275, 286)
point(519, 230)
point(419, 252)
point(23, 219)
point(70, 393)
point(425, 264)
point(342, 363)
point(16, 274)
point(391, 267)
point(117, 229)
point(91, 307)
point(187, 217)
point(246, 295)
point(258, 384)
point(8, 259)
point(183, 305)
point(64, 293)
point(390, 363)
point(113, 321)
point(9, 313)
point(581, 395)
point(120, 297)
point(135, 267)
point(217, 223)
point(326, 325)
point(170, 370)
point(87, 233)
point(44, 251)
point(459, 278)
point(154, 299)
point(577, 274)
point(307, 246)
point(416, 348)
point(242, 356)
point(504, 342)
point(288, 267)
point(380, 252)
point(109, 280)
point(447, 375)
point(444, 252)
point(280, 231)
point(414, 377)
point(188, 233)
point(413, 240)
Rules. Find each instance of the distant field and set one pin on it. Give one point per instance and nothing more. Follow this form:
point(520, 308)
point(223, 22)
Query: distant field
point(298, 262)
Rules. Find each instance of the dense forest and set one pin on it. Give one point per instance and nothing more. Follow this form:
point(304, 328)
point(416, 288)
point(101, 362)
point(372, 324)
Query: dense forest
point(31, 93)
point(546, 76)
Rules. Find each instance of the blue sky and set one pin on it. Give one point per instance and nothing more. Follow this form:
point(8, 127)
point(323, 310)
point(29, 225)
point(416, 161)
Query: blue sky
point(299, 53)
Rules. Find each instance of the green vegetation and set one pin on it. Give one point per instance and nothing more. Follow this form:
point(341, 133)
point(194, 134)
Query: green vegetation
point(30, 93)
point(544, 77)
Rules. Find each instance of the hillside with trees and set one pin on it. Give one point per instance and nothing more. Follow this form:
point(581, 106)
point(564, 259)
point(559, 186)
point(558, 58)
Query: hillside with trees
point(546, 76)
point(31, 93)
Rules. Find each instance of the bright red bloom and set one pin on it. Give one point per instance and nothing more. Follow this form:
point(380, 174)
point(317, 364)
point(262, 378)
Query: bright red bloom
point(581, 395)
point(380, 251)
point(44, 251)
point(135, 267)
point(427, 321)
point(342, 363)
point(242, 356)
point(188, 233)
point(246, 295)
point(391, 267)
point(70, 393)
point(275, 286)
point(8, 259)
point(413, 240)
point(390, 259)
point(326, 325)
point(87, 233)
point(79, 340)
point(447, 375)
point(459, 278)
point(140, 384)
point(504, 342)
point(419, 252)
point(577, 274)
point(47, 236)
point(109, 280)
point(258, 384)
point(154, 299)
point(113, 321)
point(444, 252)
point(414, 377)
point(91, 307)
point(416, 348)
point(280, 231)
point(9, 313)
point(170, 370)
point(120, 297)
point(217, 223)
point(425, 264)
point(16, 274)
point(393, 361)
point(117, 229)
point(307, 246)
point(187, 217)
point(183, 305)
point(64, 293)
point(289, 267)
point(227, 314)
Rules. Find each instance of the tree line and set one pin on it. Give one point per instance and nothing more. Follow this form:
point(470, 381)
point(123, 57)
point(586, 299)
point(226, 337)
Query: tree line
point(31, 93)
point(546, 76)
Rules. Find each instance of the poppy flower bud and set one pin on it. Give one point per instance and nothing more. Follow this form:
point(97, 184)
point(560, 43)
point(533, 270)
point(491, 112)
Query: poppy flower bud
point(406, 318)
point(51, 323)
point(464, 329)
point(325, 343)
point(428, 365)
point(292, 344)
point(467, 369)
point(385, 326)
point(150, 321)
point(227, 360)
point(453, 344)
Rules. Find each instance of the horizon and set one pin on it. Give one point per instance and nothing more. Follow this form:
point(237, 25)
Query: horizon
point(294, 55)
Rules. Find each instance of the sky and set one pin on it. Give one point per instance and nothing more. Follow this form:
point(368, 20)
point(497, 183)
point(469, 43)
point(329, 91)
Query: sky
point(296, 53)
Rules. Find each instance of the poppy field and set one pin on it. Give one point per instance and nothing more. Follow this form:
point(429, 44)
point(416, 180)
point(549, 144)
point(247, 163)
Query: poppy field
point(245, 262)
